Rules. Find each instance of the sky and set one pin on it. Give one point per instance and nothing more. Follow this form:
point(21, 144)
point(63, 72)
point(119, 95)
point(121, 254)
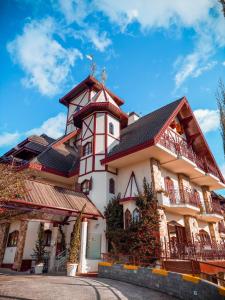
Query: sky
point(154, 52)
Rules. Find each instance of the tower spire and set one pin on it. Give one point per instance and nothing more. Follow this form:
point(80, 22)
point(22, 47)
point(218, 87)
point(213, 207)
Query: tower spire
point(92, 64)
point(103, 76)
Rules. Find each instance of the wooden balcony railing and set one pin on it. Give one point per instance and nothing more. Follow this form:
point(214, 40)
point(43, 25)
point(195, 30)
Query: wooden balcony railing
point(215, 208)
point(180, 147)
point(185, 196)
point(221, 227)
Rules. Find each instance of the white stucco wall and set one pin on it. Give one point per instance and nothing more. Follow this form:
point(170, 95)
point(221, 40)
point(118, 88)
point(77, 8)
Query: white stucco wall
point(11, 251)
point(31, 238)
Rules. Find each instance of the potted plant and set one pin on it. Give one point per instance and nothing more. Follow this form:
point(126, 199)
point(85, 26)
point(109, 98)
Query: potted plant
point(73, 258)
point(39, 251)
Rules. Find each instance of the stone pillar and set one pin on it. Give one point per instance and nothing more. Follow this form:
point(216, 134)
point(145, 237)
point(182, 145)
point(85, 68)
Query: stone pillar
point(4, 231)
point(53, 247)
point(83, 246)
point(181, 178)
point(156, 174)
point(207, 198)
point(187, 220)
point(20, 245)
point(213, 234)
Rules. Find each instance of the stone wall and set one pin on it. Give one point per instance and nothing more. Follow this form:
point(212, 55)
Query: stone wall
point(185, 287)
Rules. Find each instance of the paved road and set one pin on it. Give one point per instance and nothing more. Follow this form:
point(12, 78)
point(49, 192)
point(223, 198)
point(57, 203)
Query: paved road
point(26, 287)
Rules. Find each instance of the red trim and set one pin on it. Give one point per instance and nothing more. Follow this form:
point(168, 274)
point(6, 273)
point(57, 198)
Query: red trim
point(128, 199)
point(50, 207)
point(89, 82)
point(100, 106)
point(66, 138)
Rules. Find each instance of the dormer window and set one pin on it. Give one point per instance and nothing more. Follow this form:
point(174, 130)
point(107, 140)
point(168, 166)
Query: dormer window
point(111, 128)
point(87, 149)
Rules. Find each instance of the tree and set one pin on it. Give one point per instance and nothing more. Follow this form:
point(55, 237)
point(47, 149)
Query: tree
point(114, 225)
point(142, 236)
point(223, 6)
point(39, 250)
point(221, 105)
point(75, 240)
point(12, 182)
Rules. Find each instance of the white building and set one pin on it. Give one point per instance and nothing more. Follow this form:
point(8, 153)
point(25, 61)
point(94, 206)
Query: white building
point(105, 152)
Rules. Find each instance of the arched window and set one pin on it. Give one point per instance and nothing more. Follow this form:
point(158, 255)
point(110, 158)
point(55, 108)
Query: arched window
point(111, 128)
point(47, 237)
point(170, 189)
point(136, 216)
point(111, 186)
point(86, 186)
point(13, 239)
point(87, 149)
point(128, 218)
point(204, 237)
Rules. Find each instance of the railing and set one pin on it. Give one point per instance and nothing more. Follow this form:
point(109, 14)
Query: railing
point(181, 148)
point(215, 208)
point(221, 227)
point(60, 260)
point(185, 196)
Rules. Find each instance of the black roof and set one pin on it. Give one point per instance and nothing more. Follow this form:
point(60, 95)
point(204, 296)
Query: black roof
point(144, 129)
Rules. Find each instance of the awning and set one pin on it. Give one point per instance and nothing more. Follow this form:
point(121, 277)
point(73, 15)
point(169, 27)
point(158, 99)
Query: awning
point(43, 195)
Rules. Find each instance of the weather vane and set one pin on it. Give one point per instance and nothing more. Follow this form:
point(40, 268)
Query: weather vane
point(103, 76)
point(93, 64)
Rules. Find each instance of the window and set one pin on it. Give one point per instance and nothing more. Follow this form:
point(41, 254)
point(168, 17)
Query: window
point(111, 128)
point(204, 237)
point(13, 239)
point(87, 148)
point(111, 186)
point(86, 186)
point(136, 216)
point(170, 189)
point(128, 219)
point(47, 237)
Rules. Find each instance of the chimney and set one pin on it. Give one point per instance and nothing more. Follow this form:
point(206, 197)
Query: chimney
point(132, 117)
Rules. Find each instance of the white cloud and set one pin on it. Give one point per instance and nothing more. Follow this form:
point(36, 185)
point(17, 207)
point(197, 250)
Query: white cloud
point(155, 14)
point(209, 37)
point(99, 40)
point(53, 127)
point(44, 60)
point(207, 119)
point(74, 10)
point(8, 139)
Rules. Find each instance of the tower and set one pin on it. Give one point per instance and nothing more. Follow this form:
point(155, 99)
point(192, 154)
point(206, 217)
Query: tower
point(95, 113)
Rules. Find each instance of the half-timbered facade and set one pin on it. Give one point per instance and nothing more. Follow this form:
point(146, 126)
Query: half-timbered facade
point(106, 152)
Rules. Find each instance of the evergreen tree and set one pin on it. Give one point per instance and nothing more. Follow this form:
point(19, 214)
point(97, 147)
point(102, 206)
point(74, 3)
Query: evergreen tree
point(74, 251)
point(39, 250)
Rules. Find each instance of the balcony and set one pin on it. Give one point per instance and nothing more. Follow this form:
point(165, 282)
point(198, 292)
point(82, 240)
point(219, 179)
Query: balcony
point(178, 201)
point(212, 214)
point(185, 160)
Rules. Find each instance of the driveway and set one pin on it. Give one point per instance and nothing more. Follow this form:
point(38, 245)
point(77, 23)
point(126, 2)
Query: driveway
point(26, 287)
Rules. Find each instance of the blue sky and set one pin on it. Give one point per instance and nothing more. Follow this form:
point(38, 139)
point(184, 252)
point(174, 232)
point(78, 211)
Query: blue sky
point(154, 53)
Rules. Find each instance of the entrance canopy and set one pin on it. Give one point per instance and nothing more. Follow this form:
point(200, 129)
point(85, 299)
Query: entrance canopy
point(53, 199)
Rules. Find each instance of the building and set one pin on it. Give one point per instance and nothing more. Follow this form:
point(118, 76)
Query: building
point(105, 152)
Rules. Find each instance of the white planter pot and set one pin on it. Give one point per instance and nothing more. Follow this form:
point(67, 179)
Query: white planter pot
point(38, 269)
point(71, 269)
